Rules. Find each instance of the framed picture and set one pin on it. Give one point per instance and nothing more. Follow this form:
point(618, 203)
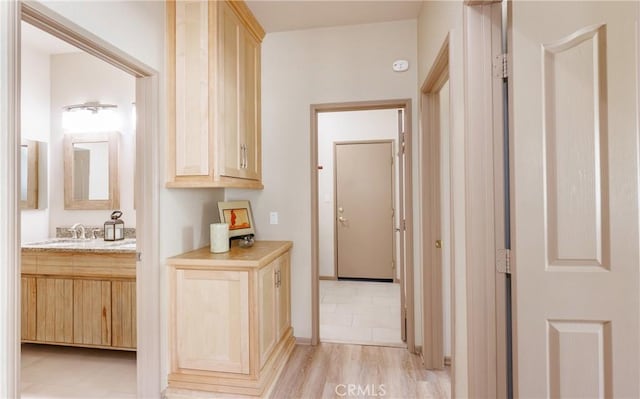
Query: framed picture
point(237, 214)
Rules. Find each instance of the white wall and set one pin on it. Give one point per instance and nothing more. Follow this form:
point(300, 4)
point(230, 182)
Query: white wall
point(437, 20)
point(35, 103)
point(346, 126)
point(77, 78)
point(301, 68)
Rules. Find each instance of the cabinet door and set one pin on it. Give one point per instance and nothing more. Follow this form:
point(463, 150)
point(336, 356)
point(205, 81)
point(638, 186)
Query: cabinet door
point(229, 28)
point(267, 310)
point(189, 90)
point(92, 312)
point(250, 128)
point(28, 308)
point(284, 294)
point(54, 310)
point(211, 321)
point(239, 68)
point(123, 314)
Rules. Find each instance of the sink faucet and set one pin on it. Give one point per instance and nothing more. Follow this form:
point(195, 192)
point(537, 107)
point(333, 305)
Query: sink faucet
point(74, 231)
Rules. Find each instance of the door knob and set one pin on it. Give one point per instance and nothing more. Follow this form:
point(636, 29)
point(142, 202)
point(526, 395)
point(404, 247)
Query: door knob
point(340, 210)
point(438, 243)
point(341, 219)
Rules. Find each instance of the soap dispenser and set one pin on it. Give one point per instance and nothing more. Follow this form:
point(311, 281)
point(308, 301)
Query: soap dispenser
point(114, 228)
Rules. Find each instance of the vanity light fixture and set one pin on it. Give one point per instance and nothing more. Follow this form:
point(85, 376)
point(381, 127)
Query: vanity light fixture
point(90, 117)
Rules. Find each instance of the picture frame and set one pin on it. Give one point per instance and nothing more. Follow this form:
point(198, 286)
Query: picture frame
point(238, 215)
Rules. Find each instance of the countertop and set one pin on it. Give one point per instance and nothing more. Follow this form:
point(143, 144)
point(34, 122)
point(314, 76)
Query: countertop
point(127, 245)
point(257, 256)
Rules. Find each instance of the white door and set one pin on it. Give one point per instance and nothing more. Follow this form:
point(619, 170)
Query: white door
point(364, 211)
point(575, 205)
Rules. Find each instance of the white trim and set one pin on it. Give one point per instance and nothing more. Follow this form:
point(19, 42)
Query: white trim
point(9, 201)
point(147, 190)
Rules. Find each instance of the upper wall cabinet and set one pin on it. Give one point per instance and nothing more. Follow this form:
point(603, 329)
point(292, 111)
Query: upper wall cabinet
point(214, 95)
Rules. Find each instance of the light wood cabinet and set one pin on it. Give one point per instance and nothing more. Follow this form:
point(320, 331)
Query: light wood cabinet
point(54, 310)
point(28, 309)
point(79, 299)
point(214, 95)
point(275, 307)
point(123, 314)
point(92, 312)
point(229, 318)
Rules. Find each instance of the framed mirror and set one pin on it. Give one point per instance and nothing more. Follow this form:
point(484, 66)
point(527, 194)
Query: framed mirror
point(29, 174)
point(91, 171)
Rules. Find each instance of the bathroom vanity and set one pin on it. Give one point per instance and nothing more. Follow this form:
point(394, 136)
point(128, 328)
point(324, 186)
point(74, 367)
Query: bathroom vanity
point(79, 293)
point(230, 318)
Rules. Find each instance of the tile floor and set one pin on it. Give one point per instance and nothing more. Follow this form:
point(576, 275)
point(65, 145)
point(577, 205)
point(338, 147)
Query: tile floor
point(64, 372)
point(360, 312)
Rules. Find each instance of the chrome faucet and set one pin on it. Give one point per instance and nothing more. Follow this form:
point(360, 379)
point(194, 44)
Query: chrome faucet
point(74, 231)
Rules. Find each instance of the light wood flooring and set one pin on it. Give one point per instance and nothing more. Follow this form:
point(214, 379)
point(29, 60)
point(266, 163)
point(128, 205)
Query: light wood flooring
point(327, 370)
point(313, 372)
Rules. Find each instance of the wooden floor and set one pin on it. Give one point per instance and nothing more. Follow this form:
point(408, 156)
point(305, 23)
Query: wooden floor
point(331, 370)
point(348, 371)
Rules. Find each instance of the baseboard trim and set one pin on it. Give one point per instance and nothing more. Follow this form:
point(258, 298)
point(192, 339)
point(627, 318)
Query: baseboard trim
point(328, 278)
point(303, 341)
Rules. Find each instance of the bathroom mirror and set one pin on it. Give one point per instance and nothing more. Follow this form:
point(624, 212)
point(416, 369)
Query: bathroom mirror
point(29, 174)
point(91, 171)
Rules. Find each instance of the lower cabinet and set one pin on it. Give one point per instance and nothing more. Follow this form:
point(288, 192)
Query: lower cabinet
point(123, 314)
point(58, 307)
point(275, 309)
point(54, 310)
point(92, 312)
point(230, 329)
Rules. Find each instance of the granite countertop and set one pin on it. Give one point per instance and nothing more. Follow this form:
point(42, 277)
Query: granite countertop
point(128, 245)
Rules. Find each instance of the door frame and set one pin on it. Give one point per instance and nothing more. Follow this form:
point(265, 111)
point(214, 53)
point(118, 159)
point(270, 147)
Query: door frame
point(315, 109)
point(485, 200)
point(147, 105)
point(335, 201)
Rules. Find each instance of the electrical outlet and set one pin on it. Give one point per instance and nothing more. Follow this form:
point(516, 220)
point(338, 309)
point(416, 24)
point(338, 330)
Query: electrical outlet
point(273, 218)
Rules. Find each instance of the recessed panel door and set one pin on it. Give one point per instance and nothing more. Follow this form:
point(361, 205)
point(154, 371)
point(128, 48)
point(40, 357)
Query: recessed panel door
point(575, 199)
point(364, 209)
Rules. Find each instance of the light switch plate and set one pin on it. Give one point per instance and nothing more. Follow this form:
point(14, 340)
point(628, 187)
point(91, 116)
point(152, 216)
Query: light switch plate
point(273, 218)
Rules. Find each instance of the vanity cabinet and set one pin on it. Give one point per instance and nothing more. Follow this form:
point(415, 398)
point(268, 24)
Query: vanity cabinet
point(214, 95)
point(229, 318)
point(79, 299)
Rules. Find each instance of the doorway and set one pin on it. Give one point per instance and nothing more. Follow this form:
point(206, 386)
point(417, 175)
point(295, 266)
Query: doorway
point(147, 283)
point(67, 315)
point(397, 293)
point(437, 216)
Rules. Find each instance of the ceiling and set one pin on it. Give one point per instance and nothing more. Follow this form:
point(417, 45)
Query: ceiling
point(278, 16)
point(43, 42)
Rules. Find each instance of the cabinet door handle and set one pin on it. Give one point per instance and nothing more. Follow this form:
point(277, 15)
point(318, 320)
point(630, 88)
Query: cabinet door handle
point(246, 157)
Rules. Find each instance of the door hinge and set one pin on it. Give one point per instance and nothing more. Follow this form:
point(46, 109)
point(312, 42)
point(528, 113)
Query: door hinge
point(501, 66)
point(138, 256)
point(503, 261)
point(402, 144)
point(403, 225)
point(393, 264)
